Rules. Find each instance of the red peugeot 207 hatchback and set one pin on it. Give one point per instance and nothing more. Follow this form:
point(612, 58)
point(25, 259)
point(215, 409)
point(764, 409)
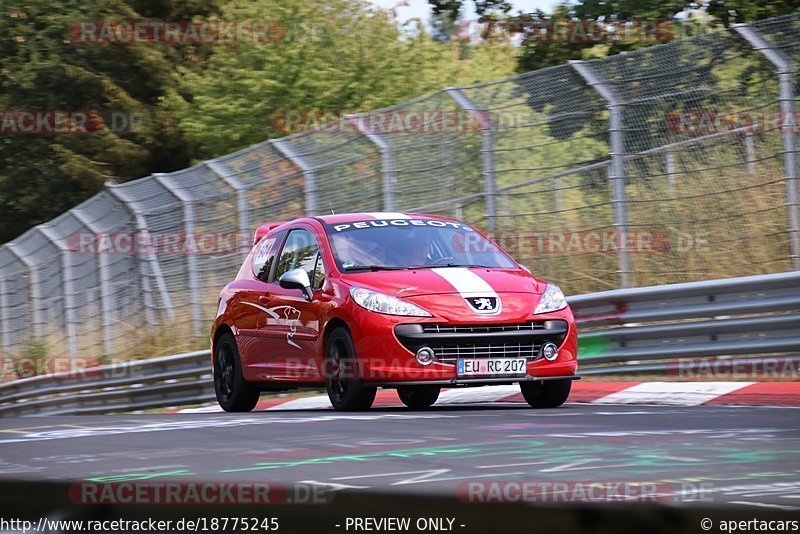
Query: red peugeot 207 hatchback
point(366, 300)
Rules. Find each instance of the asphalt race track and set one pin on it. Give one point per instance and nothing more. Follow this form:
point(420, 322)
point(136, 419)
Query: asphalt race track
point(745, 456)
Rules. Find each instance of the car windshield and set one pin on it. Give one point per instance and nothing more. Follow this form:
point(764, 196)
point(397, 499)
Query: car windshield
point(412, 243)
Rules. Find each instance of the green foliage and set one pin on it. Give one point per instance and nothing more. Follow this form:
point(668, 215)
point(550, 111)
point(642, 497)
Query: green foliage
point(35, 349)
point(731, 11)
point(42, 69)
point(358, 61)
point(680, 18)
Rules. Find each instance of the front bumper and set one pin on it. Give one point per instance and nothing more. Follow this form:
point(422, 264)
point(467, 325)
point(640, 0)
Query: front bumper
point(466, 382)
point(386, 347)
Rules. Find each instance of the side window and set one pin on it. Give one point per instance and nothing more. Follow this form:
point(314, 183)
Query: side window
point(264, 256)
point(301, 251)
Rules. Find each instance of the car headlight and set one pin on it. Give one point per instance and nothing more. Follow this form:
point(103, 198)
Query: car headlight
point(380, 303)
point(552, 300)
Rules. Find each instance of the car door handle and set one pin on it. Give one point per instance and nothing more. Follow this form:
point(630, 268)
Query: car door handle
point(264, 299)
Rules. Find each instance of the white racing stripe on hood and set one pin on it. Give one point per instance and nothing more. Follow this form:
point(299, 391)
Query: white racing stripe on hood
point(383, 215)
point(467, 283)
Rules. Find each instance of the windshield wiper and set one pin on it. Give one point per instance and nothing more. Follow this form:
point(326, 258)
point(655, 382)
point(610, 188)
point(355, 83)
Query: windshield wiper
point(372, 268)
point(438, 265)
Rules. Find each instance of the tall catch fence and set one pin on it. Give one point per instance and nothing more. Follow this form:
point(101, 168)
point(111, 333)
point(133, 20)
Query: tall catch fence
point(673, 163)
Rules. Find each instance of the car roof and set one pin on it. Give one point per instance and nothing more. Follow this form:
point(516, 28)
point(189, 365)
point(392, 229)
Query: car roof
point(340, 218)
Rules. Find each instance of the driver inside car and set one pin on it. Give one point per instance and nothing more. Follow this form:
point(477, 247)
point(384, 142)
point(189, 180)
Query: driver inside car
point(414, 251)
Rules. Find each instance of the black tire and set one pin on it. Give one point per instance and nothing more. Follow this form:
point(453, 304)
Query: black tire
point(345, 389)
point(546, 393)
point(233, 393)
point(418, 397)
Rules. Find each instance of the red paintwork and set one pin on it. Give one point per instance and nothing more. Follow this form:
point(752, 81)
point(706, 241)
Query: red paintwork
point(269, 359)
point(264, 229)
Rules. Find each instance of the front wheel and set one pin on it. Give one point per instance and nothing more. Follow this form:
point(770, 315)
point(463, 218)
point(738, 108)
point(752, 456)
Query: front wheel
point(418, 397)
point(345, 389)
point(546, 393)
point(233, 393)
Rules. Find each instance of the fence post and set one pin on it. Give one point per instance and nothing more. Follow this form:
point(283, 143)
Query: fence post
point(749, 154)
point(241, 200)
point(104, 276)
point(387, 159)
point(36, 289)
point(150, 256)
point(484, 122)
point(559, 195)
point(191, 258)
point(309, 178)
point(4, 309)
point(67, 290)
point(786, 98)
point(616, 170)
point(669, 160)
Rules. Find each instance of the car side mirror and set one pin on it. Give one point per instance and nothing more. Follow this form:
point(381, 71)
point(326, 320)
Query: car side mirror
point(297, 279)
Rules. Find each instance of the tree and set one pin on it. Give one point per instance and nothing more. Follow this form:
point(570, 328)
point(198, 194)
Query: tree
point(731, 11)
point(42, 68)
point(334, 57)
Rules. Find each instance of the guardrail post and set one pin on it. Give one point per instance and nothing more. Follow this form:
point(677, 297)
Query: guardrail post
point(387, 158)
point(36, 289)
point(67, 290)
point(104, 277)
point(616, 170)
point(484, 122)
point(150, 257)
point(241, 200)
point(191, 258)
point(309, 178)
point(786, 98)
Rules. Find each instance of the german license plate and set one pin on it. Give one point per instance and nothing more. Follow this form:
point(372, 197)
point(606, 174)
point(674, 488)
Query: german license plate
point(490, 366)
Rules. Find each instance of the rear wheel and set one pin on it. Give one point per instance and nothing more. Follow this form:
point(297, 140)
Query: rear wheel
point(345, 388)
point(233, 393)
point(546, 393)
point(418, 397)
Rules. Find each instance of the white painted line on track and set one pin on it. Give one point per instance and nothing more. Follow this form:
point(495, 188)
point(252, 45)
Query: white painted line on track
point(672, 393)
point(473, 395)
point(316, 402)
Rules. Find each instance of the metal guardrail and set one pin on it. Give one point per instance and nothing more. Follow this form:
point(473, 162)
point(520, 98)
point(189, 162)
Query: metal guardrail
point(728, 317)
point(641, 330)
point(162, 382)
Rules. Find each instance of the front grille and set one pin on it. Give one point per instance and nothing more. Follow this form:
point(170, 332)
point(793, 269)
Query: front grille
point(451, 342)
point(440, 328)
point(450, 353)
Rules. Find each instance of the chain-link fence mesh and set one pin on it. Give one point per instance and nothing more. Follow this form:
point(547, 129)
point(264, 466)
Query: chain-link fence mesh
point(699, 134)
